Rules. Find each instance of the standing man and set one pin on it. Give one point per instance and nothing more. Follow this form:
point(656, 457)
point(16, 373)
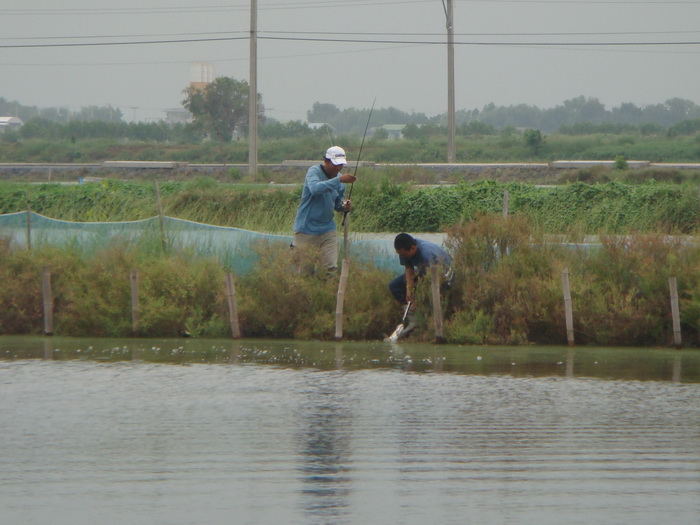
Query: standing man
point(324, 188)
point(416, 256)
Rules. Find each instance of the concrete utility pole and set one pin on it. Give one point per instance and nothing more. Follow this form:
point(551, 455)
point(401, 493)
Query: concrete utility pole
point(253, 92)
point(451, 126)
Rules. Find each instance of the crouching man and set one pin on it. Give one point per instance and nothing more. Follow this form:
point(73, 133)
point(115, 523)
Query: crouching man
point(416, 256)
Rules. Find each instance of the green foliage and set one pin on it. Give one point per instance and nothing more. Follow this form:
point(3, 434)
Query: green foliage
point(476, 127)
point(21, 307)
point(685, 127)
point(277, 281)
point(507, 290)
point(381, 203)
point(221, 108)
point(534, 140)
point(613, 208)
point(622, 291)
point(508, 287)
point(621, 163)
point(259, 210)
point(91, 292)
point(85, 142)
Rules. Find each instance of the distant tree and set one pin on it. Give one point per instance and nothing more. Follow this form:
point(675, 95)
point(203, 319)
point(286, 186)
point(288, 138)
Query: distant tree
point(651, 128)
point(103, 113)
point(221, 108)
point(410, 131)
point(380, 134)
point(627, 113)
point(38, 128)
point(274, 129)
point(671, 112)
point(322, 113)
point(684, 127)
point(61, 115)
point(587, 109)
point(534, 140)
point(476, 127)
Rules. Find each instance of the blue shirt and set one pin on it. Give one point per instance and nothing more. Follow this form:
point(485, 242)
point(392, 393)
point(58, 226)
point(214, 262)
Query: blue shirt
point(426, 255)
point(319, 197)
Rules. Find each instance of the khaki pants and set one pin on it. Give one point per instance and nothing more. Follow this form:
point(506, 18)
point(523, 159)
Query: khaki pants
point(326, 242)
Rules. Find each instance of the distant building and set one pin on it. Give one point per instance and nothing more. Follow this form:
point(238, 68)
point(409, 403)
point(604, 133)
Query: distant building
point(319, 125)
point(10, 123)
point(394, 131)
point(201, 75)
point(177, 116)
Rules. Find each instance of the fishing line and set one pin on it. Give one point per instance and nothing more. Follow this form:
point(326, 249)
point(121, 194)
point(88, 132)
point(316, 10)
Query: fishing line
point(357, 163)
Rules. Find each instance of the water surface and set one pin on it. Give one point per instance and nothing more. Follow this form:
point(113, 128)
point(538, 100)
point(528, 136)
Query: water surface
point(258, 432)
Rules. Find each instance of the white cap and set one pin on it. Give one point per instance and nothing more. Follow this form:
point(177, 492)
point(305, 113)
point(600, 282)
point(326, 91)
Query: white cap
point(336, 155)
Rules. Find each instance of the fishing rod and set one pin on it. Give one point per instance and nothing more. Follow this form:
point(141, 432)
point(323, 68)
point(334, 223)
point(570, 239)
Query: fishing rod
point(345, 214)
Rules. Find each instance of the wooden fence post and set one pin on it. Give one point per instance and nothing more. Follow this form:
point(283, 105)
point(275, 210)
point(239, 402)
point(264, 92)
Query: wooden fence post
point(48, 300)
point(135, 307)
point(340, 299)
point(160, 218)
point(675, 311)
point(343, 284)
point(568, 312)
point(29, 224)
point(232, 307)
point(506, 202)
point(437, 306)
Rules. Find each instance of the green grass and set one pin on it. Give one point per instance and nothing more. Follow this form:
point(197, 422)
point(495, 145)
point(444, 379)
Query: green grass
point(507, 291)
point(507, 147)
point(381, 203)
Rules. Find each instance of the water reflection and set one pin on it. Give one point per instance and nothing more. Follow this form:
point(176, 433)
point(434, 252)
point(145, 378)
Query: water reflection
point(236, 351)
point(48, 349)
point(269, 432)
point(532, 361)
point(324, 444)
point(339, 358)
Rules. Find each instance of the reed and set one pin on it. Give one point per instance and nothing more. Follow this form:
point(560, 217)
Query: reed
point(507, 290)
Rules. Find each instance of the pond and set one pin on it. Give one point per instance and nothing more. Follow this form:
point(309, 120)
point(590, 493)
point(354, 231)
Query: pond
point(259, 432)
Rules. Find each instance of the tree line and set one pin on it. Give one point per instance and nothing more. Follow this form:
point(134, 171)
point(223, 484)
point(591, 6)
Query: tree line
point(219, 112)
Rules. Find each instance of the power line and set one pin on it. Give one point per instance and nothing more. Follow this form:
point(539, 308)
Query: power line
point(350, 41)
point(356, 33)
point(211, 8)
point(139, 42)
point(556, 33)
point(300, 55)
point(310, 5)
point(204, 9)
point(151, 35)
point(441, 42)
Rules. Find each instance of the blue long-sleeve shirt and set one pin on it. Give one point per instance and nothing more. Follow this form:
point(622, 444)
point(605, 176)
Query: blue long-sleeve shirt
point(428, 254)
point(319, 198)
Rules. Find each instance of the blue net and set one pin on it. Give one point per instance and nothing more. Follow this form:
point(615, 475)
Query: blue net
point(234, 247)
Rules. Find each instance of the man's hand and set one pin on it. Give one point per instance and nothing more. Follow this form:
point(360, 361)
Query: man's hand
point(347, 178)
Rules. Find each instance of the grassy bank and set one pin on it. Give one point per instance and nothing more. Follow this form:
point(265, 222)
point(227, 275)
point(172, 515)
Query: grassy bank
point(507, 146)
point(381, 204)
point(507, 291)
point(508, 287)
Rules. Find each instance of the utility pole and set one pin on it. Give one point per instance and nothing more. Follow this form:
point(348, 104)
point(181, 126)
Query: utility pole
point(253, 92)
point(451, 126)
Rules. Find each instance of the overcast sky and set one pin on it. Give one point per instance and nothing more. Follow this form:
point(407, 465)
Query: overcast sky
point(350, 52)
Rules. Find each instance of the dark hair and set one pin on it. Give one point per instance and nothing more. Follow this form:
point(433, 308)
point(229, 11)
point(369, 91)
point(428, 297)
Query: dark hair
point(404, 241)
